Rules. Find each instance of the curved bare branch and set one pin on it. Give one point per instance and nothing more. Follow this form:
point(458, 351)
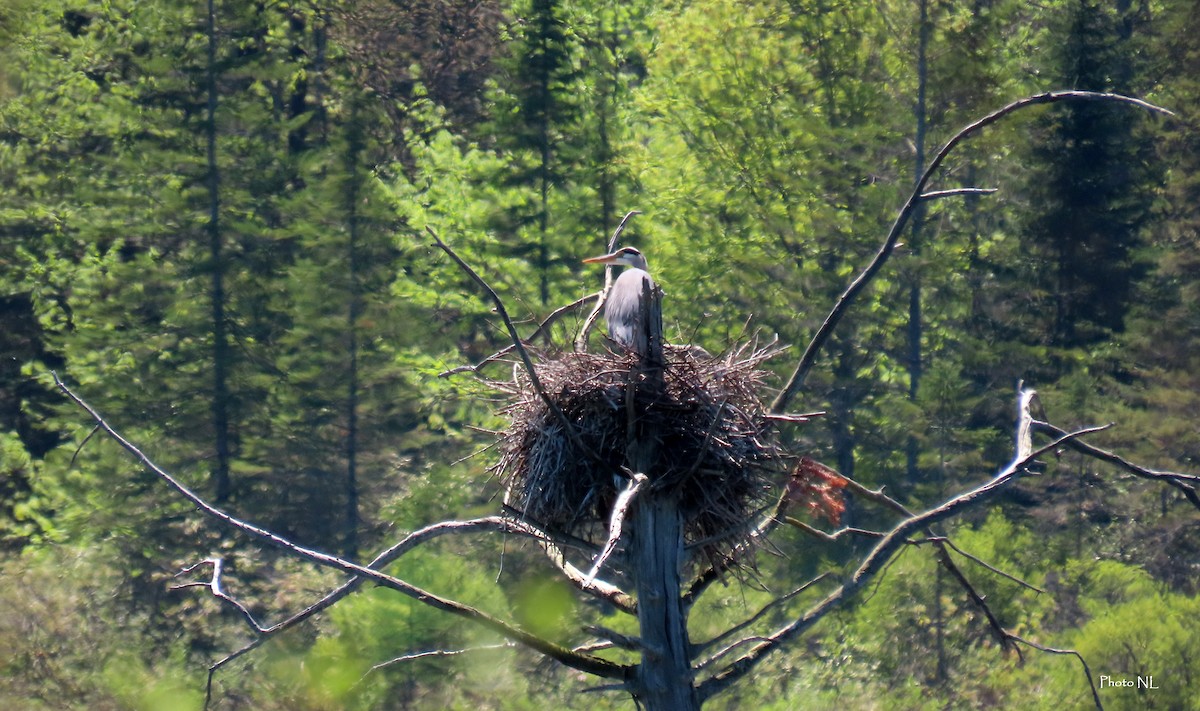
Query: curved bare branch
point(917, 197)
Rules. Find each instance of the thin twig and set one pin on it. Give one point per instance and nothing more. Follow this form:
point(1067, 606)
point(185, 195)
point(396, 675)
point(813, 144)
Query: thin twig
point(831, 537)
point(942, 540)
point(542, 329)
point(787, 417)
point(71, 464)
point(954, 192)
point(1087, 670)
point(438, 653)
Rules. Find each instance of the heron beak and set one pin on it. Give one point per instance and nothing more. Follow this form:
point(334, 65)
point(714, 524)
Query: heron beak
point(604, 259)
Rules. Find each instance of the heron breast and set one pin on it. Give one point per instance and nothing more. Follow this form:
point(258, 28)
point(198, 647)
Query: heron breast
point(623, 309)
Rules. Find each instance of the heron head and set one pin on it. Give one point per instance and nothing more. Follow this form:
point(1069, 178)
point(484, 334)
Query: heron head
point(627, 256)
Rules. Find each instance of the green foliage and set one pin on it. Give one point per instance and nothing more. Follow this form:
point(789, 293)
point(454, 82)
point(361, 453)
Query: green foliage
point(766, 144)
point(1131, 629)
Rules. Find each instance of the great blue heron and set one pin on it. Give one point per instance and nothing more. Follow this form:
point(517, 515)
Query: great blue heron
point(623, 309)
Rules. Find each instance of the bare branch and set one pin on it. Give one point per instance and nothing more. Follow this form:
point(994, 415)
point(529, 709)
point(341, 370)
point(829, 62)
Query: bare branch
point(214, 586)
point(493, 523)
point(438, 653)
point(876, 561)
point(1024, 420)
point(864, 278)
point(800, 418)
point(1185, 483)
point(876, 495)
point(831, 537)
point(623, 641)
point(615, 522)
point(586, 663)
point(954, 192)
point(1070, 652)
point(597, 588)
point(993, 622)
point(944, 541)
point(553, 544)
point(75, 455)
point(530, 370)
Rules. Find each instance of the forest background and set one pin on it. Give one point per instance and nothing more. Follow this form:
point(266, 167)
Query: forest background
point(216, 231)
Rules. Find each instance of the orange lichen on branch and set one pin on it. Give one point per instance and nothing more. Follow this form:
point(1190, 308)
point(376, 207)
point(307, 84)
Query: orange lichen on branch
point(817, 488)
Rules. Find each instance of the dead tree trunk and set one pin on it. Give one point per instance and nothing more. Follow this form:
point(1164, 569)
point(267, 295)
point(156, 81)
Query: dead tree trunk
point(663, 680)
point(664, 676)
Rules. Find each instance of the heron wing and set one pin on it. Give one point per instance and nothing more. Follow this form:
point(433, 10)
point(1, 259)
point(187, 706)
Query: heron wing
point(623, 310)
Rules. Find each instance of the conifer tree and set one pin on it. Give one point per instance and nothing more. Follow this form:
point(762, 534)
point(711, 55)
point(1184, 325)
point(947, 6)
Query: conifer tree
point(1092, 190)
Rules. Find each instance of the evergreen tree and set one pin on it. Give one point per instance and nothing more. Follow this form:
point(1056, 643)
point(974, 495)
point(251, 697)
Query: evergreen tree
point(1092, 189)
point(536, 127)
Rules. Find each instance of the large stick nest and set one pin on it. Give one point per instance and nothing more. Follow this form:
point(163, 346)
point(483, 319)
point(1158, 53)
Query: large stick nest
point(717, 451)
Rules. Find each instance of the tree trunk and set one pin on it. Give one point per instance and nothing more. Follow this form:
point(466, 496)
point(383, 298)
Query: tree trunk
point(353, 193)
point(222, 484)
point(664, 678)
point(912, 449)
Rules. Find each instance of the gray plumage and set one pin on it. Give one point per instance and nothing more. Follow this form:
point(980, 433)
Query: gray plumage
point(623, 309)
